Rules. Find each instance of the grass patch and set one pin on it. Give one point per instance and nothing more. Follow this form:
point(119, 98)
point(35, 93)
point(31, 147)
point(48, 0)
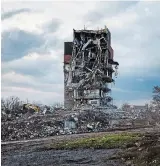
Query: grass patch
point(99, 142)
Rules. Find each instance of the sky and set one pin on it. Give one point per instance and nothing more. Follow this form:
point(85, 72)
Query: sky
point(33, 36)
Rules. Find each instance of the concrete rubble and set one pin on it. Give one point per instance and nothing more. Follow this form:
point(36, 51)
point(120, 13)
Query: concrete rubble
point(61, 122)
point(20, 123)
point(87, 121)
point(31, 126)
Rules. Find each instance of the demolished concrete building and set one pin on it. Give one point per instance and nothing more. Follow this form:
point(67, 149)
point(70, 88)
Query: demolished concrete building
point(88, 69)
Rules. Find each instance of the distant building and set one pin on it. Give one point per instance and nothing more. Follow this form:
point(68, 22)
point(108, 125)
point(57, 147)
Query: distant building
point(139, 107)
point(137, 111)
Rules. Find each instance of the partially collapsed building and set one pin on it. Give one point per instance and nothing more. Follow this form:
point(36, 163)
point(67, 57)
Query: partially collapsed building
point(88, 69)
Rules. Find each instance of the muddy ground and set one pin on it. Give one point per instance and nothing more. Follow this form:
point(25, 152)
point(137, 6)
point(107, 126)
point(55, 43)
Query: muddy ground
point(34, 152)
point(62, 157)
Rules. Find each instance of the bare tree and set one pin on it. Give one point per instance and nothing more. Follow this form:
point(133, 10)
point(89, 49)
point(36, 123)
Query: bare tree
point(11, 105)
point(153, 111)
point(125, 107)
point(156, 98)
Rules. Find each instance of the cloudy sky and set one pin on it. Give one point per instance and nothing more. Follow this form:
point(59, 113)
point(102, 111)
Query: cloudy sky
point(32, 46)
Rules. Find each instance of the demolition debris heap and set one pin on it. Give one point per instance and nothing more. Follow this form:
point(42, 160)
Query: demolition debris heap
point(88, 69)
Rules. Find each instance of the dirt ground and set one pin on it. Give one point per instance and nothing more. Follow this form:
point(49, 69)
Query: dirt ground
point(33, 152)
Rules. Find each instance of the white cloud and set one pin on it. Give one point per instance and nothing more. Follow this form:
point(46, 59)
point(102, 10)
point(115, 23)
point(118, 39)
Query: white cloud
point(33, 95)
point(69, 13)
point(30, 22)
point(28, 87)
point(34, 62)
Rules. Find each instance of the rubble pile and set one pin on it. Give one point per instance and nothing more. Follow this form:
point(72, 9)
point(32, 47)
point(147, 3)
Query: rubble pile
point(39, 126)
point(31, 127)
point(86, 121)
